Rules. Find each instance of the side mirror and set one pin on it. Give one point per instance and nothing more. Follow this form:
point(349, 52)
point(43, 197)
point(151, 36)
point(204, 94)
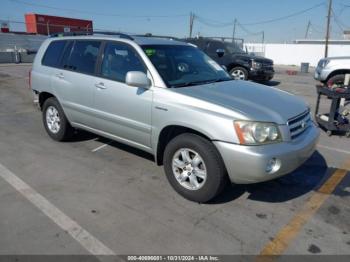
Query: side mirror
point(220, 52)
point(137, 79)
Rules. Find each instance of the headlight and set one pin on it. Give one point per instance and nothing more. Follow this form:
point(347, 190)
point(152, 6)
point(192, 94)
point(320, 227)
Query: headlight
point(255, 133)
point(256, 65)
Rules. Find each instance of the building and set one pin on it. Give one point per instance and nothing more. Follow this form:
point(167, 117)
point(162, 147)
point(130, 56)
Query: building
point(46, 24)
point(347, 34)
point(322, 41)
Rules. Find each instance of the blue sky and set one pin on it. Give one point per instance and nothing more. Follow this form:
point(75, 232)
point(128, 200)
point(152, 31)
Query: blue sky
point(172, 17)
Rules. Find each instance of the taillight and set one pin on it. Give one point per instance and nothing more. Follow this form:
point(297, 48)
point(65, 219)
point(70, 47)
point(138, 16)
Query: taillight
point(30, 79)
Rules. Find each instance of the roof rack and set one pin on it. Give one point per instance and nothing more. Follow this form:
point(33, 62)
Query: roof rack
point(158, 36)
point(77, 33)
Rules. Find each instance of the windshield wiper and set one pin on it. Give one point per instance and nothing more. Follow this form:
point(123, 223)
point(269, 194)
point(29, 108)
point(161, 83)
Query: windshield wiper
point(194, 83)
point(222, 80)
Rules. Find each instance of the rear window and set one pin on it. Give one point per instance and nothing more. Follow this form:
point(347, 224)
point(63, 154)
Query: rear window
point(83, 56)
point(53, 53)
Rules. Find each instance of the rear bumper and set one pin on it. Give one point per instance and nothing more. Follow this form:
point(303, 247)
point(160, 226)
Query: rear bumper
point(247, 164)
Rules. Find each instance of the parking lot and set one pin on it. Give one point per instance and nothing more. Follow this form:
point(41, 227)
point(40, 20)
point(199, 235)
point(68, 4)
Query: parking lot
point(95, 196)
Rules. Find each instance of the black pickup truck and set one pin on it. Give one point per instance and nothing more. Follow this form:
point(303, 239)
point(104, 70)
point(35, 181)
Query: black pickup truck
point(239, 63)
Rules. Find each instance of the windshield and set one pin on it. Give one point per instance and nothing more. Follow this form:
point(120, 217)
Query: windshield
point(181, 66)
point(234, 48)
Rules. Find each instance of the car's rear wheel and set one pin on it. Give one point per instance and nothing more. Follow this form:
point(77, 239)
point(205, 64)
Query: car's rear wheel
point(194, 167)
point(55, 121)
point(239, 73)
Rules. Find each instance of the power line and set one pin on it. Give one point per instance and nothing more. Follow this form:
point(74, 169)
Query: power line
point(214, 23)
point(286, 17)
point(248, 31)
point(95, 13)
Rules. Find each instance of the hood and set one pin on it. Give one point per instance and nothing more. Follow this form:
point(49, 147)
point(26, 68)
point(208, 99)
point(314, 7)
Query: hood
point(254, 101)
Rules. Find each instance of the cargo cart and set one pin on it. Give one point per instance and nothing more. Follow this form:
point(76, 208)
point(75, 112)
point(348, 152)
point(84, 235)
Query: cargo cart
point(330, 121)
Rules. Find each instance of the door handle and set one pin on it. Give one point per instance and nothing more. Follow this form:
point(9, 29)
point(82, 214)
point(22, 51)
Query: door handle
point(100, 86)
point(60, 75)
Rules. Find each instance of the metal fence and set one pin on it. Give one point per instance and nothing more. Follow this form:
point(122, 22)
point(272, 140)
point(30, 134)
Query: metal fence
point(17, 48)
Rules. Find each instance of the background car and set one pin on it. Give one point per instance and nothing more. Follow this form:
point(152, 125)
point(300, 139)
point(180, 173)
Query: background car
point(239, 63)
point(332, 70)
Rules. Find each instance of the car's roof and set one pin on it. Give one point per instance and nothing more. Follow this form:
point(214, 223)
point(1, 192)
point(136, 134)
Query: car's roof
point(140, 40)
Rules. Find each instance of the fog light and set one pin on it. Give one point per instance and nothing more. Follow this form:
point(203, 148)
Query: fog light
point(273, 165)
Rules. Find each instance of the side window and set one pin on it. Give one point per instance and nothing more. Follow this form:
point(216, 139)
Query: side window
point(53, 53)
point(213, 46)
point(118, 60)
point(83, 56)
point(66, 54)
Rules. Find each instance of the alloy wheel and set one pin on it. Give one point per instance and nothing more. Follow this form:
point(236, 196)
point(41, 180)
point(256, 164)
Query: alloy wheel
point(189, 169)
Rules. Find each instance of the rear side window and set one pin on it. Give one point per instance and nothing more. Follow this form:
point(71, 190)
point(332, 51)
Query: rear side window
point(83, 57)
point(53, 53)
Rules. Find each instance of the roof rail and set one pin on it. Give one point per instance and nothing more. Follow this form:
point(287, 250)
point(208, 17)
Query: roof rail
point(158, 36)
point(77, 33)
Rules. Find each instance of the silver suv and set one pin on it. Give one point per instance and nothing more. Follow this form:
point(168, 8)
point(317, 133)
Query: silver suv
point(332, 70)
point(170, 99)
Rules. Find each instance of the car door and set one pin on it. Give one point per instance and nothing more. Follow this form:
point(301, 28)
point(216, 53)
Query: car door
point(212, 47)
point(49, 67)
point(73, 81)
point(121, 110)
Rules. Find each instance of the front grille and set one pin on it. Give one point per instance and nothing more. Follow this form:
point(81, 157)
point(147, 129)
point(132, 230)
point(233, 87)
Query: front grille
point(298, 124)
point(267, 66)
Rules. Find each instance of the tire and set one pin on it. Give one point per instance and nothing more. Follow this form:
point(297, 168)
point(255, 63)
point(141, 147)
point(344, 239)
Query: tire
point(239, 73)
point(209, 186)
point(337, 80)
point(55, 121)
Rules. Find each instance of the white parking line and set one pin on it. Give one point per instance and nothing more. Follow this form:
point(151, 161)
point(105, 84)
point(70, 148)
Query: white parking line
point(100, 147)
point(334, 149)
point(88, 241)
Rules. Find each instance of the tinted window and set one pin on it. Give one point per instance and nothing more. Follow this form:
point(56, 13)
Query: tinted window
point(83, 56)
point(118, 60)
point(66, 54)
point(53, 53)
point(213, 46)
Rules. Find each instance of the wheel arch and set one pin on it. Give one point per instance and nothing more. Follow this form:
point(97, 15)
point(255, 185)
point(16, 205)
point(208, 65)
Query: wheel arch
point(168, 133)
point(43, 96)
point(338, 72)
point(233, 65)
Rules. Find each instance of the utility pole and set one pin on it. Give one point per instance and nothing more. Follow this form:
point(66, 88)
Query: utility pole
point(234, 30)
point(263, 37)
point(191, 23)
point(328, 27)
point(307, 29)
point(48, 27)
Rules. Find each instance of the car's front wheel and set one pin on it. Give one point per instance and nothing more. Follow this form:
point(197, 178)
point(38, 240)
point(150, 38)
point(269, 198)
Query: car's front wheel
point(336, 80)
point(194, 168)
point(239, 73)
point(55, 121)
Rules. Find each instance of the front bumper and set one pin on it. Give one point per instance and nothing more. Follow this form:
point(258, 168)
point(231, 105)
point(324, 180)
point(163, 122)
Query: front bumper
point(261, 74)
point(321, 74)
point(247, 164)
